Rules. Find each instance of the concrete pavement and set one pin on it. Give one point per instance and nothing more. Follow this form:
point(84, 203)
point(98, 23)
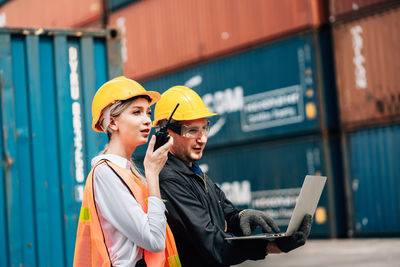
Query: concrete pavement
point(359, 252)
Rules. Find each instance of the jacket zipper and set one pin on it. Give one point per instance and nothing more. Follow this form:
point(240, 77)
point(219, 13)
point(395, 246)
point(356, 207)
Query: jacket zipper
point(204, 180)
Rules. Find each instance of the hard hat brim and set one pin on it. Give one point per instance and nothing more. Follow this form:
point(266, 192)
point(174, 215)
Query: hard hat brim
point(187, 118)
point(153, 95)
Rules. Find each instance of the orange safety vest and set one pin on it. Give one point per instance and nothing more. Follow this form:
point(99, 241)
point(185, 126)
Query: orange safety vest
point(90, 246)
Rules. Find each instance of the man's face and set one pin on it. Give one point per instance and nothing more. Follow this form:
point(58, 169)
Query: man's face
point(190, 149)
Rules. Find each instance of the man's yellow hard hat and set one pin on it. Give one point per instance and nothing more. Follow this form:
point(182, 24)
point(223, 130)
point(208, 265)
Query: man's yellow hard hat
point(120, 88)
point(191, 106)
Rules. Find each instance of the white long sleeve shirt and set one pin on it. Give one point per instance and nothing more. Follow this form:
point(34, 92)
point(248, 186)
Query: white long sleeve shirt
point(126, 227)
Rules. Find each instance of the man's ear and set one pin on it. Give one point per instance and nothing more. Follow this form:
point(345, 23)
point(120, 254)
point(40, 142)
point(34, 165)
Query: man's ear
point(113, 124)
point(172, 133)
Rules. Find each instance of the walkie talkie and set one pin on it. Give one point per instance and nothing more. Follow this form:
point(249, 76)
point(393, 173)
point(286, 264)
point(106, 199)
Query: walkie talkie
point(162, 135)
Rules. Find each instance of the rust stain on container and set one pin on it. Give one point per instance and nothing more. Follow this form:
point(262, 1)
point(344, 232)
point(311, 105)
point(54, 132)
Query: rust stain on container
point(164, 35)
point(367, 57)
point(50, 13)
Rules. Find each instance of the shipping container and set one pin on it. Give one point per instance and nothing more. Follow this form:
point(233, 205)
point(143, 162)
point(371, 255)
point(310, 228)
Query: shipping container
point(117, 4)
point(281, 89)
point(49, 13)
point(351, 9)
point(3, 206)
point(268, 176)
point(372, 179)
point(48, 80)
point(2, 2)
point(164, 35)
point(367, 59)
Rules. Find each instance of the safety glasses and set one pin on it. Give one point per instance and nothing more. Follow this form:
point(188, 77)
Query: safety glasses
point(189, 131)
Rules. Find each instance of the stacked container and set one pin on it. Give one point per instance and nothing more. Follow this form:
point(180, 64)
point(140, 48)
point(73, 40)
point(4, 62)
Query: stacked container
point(276, 106)
point(367, 60)
point(117, 4)
point(163, 36)
point(341, 10)
point(50, 14)
point(48, 80)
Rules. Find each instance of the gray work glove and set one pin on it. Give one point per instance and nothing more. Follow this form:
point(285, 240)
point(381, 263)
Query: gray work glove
point(250, 219)
point(298, 238)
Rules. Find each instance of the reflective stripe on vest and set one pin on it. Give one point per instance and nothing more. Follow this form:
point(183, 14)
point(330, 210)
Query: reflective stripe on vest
point(90, 246)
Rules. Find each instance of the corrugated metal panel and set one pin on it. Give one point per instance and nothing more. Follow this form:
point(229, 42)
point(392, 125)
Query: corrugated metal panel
point(49, 13)
point(3, 210)
point(156, 41)
point(374, 173)
point(345, 9)
point(3, 214)
point(257, 176)
point(3, 183)
point(367, 55)
point(272, 91)
point(9, 125)
point(48, 81)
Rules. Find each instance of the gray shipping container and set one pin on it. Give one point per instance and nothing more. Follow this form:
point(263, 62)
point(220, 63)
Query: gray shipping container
point(48, 80)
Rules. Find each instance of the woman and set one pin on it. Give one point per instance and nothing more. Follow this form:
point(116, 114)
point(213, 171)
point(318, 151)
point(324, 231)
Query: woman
point(122, 222)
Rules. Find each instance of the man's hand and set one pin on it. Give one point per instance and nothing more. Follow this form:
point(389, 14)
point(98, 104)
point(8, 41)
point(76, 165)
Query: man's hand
point(250, 219)
point(298, 238)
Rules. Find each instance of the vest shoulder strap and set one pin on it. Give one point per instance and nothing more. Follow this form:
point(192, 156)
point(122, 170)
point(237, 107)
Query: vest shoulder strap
point(134, 185)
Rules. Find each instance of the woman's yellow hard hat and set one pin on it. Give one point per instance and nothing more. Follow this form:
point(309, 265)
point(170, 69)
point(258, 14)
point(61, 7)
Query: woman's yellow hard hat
point(120, 88)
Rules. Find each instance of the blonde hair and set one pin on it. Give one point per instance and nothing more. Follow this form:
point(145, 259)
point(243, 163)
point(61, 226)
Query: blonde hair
point(119, 107)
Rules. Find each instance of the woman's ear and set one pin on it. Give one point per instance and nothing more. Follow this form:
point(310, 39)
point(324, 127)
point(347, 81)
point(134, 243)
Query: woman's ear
point(113, 124)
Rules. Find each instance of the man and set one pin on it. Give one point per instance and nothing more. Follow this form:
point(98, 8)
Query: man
point(199, 214)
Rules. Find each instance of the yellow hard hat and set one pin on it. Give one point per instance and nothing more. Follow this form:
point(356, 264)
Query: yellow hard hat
point(191, 106)
point(120, 88)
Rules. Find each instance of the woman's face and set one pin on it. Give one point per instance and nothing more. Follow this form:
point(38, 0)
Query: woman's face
point(133, 125)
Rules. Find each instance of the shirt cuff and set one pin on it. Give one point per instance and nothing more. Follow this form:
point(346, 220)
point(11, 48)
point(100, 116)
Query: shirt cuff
point(156, 204)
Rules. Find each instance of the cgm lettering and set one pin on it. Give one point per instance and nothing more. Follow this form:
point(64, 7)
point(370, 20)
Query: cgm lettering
point(239, 193)
point(227, 101)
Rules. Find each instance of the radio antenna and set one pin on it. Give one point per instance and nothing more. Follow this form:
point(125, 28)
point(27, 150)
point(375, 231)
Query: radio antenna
point(169, 120)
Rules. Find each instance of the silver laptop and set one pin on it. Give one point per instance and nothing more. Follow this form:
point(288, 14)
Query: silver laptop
point(306, 204)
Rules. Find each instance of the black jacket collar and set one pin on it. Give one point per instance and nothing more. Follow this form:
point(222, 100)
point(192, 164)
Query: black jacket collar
point(177, 164)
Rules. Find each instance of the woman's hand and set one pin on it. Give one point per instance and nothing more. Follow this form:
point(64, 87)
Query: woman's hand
point(153, 163)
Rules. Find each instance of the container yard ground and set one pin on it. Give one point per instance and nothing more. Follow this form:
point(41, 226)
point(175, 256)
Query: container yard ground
point(361, 252)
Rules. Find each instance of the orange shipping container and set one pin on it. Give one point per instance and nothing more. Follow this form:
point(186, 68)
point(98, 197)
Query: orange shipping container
point(367, 57)
point(164, 35)
point(50, 13)
point(353, 8)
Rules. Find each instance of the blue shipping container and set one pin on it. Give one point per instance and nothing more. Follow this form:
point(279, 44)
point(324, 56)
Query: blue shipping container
point(48, 80)
point(268, 176)
point(114, 5)
point(2, 2)
point(281, 89)
point(373, 176)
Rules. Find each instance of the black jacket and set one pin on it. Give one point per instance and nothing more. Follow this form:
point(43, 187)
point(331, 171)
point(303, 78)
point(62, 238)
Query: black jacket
point(198, 214)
